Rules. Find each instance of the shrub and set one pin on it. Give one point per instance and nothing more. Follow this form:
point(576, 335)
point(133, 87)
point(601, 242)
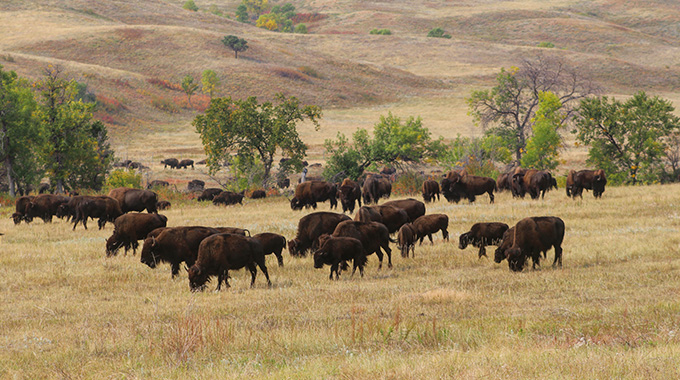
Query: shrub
point(9, 58)
point(109, 104)
point(290, 74)
point(124, 178)
point(408, 183)
point(308, 17)
point(548, 45)
point(190, 5)
point(300, 29)
point(438, 33)
point(164, 104)
point(384, 32)
point(165, 84)
point(310, 72)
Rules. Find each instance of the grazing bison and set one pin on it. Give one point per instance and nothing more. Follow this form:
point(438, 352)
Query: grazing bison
point(163, 205)
point(349, 193)
point(157, 183)
point(481, 235)
point(272, 243)
point(310, 227)
point(44, 206)
point(337, 250)
point(228, 198)
point(258, 194)
point(528, 238)
point(130, 228)
point(413, 207)
point(456, 186)
point(430, 190)
point(185, 163)
point(105, 208)
point(426, 225)
point(376, 187)
point(220, 253)
point(368, 214)
point(173, 163)
point(594, 180)
point(392, 217)
point(175, 246)
point(308, 193)
point(20, 208)
point(373, 237)
point(209, 194)
point(135, 199)
point(406, 239)
point(195, 185)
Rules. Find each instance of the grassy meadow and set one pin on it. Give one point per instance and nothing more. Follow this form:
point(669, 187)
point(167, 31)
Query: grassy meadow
point(611, 312)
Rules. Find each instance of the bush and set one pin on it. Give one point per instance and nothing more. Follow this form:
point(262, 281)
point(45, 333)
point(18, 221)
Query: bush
point(124, 178)
point(438, 33)
point(301, 29)
point(548, 45)
point(384, 32)
point(190, 5)
point(408, 183)
point(164, 104)
point(165, 84)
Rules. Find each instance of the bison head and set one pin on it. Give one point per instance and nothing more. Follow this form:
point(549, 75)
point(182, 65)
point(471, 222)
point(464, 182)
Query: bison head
point(113, 245)
point(148, 256)
point(293, 246)
point(320, 258)
point(499, 255)
point(197, 278)
point(464, 240)
point(295, 204)
point(17, 218)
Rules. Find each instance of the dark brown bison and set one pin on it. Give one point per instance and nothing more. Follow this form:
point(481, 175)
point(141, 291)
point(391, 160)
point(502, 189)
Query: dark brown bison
point(373, 236)
point(594, 180)
point(209, 194)
point(528, 238)
point(130, 228)
point(20, 208)
point(163, 205)
point(228, 198)
point(233, 230)
point(349, 193)
point(392, 217)
point(157, 183)
point(413, 207)
point(220, 253)
point(308, 193)
point(456, 187)
point(44, 206)
point(283, 183)
point(503, 181)
point(175, 246)
point(135, 199)
point(426, 225)
point(310, 227)
point(406, 239)
point(185, 163)
point(430, 190)
point(368, 214)
point(538, 183)
point(337, 250)
point(195, 185)
point(105, 208)
point(376, 187)
point(258, 194)
point(570, 182)
point(68, 210)
point(481, 235)
point(272, 243)
point(173, 163)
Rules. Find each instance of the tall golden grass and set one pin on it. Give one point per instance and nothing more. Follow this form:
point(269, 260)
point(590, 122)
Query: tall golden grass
point(611, 312)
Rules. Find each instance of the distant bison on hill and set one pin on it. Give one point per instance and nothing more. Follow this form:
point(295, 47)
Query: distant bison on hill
point(173, 163)
point(209, 194)
point(228, 198)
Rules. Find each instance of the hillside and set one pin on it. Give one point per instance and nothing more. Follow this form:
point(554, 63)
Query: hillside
point(132, 55)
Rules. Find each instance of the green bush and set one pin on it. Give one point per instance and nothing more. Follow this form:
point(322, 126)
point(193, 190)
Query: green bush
point(164, 104)
point(548, 45)
point(384, 32)
point(301, 29)
point(124, 178)
point(190, 5)
point(438, 33)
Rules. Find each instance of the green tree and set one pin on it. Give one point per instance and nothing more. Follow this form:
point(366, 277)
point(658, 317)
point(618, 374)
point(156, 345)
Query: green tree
point(77, 153)
point(257, 7)
point(20, 135)
point(189, 87)
point(627, 139)
point(254, 130)
point(438, 33)
point(236, 44)
point(507, 109)
point(543, 147)
point(190, 5)
point(300, 29)
point(124, 178)
point(210, 81)
point(242, 13)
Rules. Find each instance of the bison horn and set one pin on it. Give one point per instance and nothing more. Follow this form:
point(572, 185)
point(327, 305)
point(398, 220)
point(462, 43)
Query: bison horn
point(153, 241)
point(186, 268)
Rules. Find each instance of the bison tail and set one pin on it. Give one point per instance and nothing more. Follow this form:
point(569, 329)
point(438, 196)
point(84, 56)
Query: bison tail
point(247, 231)
point(392, 240)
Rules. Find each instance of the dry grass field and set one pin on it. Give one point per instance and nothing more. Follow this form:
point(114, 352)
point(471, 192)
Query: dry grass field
point(611, 312)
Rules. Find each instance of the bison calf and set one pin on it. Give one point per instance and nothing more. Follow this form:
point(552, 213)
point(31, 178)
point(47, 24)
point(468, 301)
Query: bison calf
point(272, 243)
point(481, 235)
point(406, 239)
point(336, 250)
point(426, 225)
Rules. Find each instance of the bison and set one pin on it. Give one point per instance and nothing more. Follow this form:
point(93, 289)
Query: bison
point(220, 253)
point(258, 194)
point(349, 193)
point(233, 230)
point(594, 180)
point(426, 225)
point(173, 163)
point(130, 228)
point(376, 187)
point(135, 199)
point(310, 227)
point(392, 217)
point(456, 186)
point(157, 183)
point(528, 238)
point(481, 235)
point(44, 206)
point(538, 183)
point(430, 190)
point(105, 208)
point(272, 243)
point(209, 194)
point(185, 163)
point(368, 214)
point(308, 193)
point(337, 250)
point(20, 208)
point(175, 246)
point(163, 205)
point(228, 198)
point(195, 185)
point(406, 239)
point(413, 207)
point(503, 181)
point(373, 237)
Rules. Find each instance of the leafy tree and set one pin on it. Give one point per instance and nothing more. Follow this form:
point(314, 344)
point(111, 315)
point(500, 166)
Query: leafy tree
point(189, 87)
point(300, 29)
point(210, 81)
point(20, 135)
point(190, 5)
point(507, 109)
point(477, 155)
point(543, 147)
point(236, 44)
point(438, 33)
point(627, 139)
point(124, 178)
point(77, 153)
point(268, 21)
point(254, 130)
point(256, 7)
point(242, 13)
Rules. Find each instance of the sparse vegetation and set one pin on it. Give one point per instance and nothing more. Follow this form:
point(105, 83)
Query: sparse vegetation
point(438, 33)
point(190, 5)
point(547, 45)
point(383, 32)
point(164, 104)
point(301, 29)
point(124, 178)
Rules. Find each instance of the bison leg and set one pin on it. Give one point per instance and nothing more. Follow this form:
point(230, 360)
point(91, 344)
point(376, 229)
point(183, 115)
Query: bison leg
point(263, 268)
point(253, 273)
point(334, 269)
point(445, 234)
point(279, 258)
point(558, 256)
point(175, 269)
point(388, 252)
point(491, 197)
point(482, 251)
point(429, 236)
point(220, 277)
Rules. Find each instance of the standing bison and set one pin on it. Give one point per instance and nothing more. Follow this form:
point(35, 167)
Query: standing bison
point(349, 193)
point(528, 238)
point(209, 194)
point(310, 227)
point(272, 243)
point(135, 199)
point(413, 207)
point(481, 235)
point(175, 246)
point(228, 198)
point(594, 180)
point(308, 193)
point(185, 163)
point(430, 190)
point(376, 187)
point(426, 225)
point(373, 236)
point(456, 186)
point(44, 206)
point(130, 228)
point(173, 163)
point(20, 208)
point(105, 208)
point(336, 250)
